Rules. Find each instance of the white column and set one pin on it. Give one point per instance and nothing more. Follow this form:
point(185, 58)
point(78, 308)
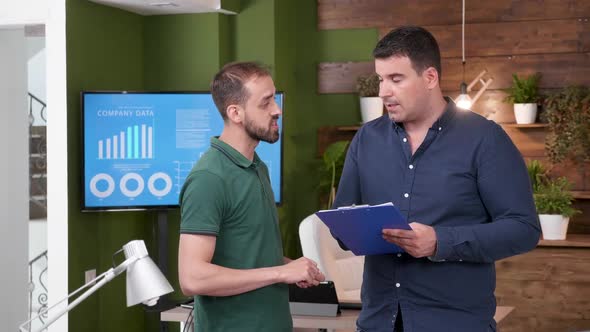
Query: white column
point(57, 159)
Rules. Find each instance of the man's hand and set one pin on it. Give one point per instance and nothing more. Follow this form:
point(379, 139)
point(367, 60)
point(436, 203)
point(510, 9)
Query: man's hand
point(419, 242)
point(305, 284)
point(303, 271)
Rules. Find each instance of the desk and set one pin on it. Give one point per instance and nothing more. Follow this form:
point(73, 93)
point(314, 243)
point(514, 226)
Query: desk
point(345, 321)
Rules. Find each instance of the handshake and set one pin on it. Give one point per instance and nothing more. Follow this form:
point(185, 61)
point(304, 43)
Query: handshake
point(303, 272)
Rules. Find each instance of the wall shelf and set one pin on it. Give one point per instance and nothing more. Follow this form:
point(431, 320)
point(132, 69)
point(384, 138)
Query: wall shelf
point(348, 128)
point(524, 126)
point(571, 241)
point(506, 125)
point(581, 194)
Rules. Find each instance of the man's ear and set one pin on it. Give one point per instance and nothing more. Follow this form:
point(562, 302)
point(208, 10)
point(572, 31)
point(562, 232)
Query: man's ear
point(234, 113)
point(431, 78)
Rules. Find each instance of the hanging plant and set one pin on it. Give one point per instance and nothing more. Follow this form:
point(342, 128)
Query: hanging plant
point(568, 115)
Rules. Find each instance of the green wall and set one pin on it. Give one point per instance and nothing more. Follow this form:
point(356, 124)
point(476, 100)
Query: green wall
point(110, 49)
point(104, 52)
point(181, 52)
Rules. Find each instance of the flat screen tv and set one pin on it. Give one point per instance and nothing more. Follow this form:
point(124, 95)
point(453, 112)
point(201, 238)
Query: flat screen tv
point(138, 147)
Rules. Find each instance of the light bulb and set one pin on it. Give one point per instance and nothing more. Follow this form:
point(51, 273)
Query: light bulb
point(151, 302)
point(463, 101)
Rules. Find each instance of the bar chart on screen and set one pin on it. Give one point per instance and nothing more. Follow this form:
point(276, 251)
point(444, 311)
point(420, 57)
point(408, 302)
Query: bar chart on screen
point(133, 142)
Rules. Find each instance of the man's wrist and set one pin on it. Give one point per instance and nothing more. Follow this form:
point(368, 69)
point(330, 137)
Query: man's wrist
point(433, 256)
point(443, 247)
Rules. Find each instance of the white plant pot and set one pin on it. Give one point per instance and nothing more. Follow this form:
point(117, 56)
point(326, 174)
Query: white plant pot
point(371, 108)
point(525, 113)
point(554, 226)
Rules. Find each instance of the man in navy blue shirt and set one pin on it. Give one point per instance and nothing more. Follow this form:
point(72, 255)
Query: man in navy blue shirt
point(458, 179)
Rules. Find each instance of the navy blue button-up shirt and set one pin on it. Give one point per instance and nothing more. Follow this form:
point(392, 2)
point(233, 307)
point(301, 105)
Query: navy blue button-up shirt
point(469, 182)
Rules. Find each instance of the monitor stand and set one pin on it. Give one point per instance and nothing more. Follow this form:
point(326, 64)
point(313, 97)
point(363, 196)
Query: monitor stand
point(163, 241)
point(164, 301)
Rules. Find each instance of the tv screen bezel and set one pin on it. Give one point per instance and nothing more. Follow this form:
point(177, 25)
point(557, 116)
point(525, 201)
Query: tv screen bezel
point(85, 208)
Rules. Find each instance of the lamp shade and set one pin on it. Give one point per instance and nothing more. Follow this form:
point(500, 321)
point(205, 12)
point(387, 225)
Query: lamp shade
point(145, 281)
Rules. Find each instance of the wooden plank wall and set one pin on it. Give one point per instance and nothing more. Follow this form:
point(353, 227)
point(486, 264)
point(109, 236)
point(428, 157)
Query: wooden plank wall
point(504, 37)
point(549, 287)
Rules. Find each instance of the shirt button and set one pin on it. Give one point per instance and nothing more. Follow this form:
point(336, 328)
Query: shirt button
point(399, 255)
point(397, 284)
point(439, 128)
point(405, 140)
point(460, 260)
point(411, 167)
point(406, 195)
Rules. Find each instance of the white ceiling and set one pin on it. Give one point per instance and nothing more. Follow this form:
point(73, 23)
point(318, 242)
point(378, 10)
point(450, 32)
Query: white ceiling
point(166, 7)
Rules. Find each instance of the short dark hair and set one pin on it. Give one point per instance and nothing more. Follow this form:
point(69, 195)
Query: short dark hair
point(228, 86)
point(413, 42)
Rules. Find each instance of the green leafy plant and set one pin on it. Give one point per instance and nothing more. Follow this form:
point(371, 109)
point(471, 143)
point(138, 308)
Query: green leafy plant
point(552, 196)
point(568, 115)
point(537, 174)
point(368, 85)
point(524, 90)
point(333, 163)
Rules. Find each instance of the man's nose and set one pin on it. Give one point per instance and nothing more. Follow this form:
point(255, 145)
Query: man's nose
point(385, 90)
point(277, 110)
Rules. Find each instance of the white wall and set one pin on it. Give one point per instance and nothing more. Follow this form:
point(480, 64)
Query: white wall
point(23, 12)
point(14, 195)
point(36, 80)
point(36, 66)
point(36, 69)
point(37, 237)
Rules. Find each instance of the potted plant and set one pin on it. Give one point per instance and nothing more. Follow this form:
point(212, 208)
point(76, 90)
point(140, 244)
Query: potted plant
point(333, 163)
point(568, 115)
point(554, 206)
point(553, 201)
point(524, 95)
point(368, 90)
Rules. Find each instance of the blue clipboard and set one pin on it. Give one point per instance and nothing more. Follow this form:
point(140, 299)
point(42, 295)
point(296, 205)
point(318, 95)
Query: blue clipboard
point(360, 227)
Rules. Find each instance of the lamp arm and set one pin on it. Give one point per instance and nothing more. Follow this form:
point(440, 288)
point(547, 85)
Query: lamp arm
point(42, 312)
point(483, 88)
point(475, 80)
point(107, 276)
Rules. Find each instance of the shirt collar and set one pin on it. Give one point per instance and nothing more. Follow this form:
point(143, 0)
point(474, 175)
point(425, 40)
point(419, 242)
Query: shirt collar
point(233, 154)
point(447, 115)
point(441, 122)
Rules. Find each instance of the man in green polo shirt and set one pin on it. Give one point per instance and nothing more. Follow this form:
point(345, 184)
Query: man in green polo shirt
point(230, 252)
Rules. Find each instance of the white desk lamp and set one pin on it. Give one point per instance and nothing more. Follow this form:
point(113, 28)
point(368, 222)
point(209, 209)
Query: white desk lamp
point(145, 282)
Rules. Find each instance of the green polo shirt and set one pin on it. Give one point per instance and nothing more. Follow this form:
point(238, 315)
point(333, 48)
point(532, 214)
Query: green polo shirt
point(230, 197)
